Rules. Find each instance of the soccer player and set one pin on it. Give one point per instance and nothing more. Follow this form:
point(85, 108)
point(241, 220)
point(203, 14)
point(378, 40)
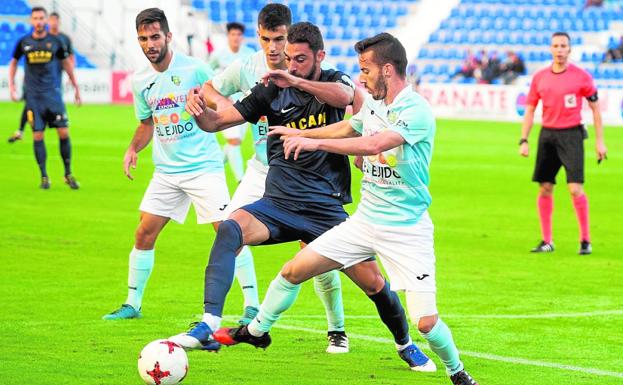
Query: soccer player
point(242, 76)
point(189, 163)
point(53, 29)
point(561, 86)
point(44, 101)
point(219, 61)
point(304, 197)
point(394, 132)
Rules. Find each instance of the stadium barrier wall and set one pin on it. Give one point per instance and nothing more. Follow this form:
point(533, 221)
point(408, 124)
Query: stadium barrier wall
point(451, 101)
point(96, 86)
point(506, 103)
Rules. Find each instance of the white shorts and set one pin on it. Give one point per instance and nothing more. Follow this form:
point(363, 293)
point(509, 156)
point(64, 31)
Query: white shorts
point(251, 187)
point(406, 252)
point(235, 132)
point(169, 195)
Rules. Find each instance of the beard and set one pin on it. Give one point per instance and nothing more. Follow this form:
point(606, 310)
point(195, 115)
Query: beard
point(160, 57)
point(380, 90)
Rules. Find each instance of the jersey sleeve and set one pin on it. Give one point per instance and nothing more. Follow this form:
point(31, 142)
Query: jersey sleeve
point(18, 52)
point(254, 105)
point(533, 94)
point(588, 87)
point(141, 108)
point(228, 82)
point(204, 73)
point(356, 121)
point(414, 124)
point(341, 77)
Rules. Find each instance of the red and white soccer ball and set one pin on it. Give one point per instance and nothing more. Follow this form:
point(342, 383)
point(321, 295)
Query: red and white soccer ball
point(162, 362)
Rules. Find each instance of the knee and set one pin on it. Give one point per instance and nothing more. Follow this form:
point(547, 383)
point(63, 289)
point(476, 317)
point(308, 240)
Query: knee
point(374, 285)
point(291, 273)
point(426, 323)
point(231, 231)
point(546, 190)
point(576, 190)
point(37, 136)
point(63, 133)
point(145, 237)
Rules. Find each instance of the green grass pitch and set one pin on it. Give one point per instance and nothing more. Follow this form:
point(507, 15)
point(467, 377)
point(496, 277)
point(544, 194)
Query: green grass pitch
point(518, 318)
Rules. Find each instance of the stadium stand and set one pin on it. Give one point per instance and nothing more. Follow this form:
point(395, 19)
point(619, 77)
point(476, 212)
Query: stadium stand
point(342, 22)
point(523, 26)
point(18, 12)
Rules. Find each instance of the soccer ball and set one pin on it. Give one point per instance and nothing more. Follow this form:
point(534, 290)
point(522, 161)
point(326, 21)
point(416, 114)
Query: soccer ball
point(162, 362)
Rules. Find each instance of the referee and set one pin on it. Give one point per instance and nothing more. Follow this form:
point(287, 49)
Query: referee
point(561, 87)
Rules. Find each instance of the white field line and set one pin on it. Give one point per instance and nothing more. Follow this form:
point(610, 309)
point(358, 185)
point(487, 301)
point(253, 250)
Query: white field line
point(486, 356)
point(480, 316)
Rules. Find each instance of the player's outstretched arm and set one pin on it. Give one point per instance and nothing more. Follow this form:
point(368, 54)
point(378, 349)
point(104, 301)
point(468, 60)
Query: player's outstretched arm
point(337, 130)
point(12, 71)
point(213, 98)
point(600, 144)
point(142, 136)
point(69, 68)
point(526, 126)
point(208, 119)
point(365, 145)
point(332, 93)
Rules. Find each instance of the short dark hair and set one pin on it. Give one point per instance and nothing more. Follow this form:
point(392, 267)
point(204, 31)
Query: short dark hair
point(38, 9)
point(273, 16)
point(55, 14)
point(565, 34)
point(152, 15)
point(235, 25)
point(387, 49)
point(306, 32)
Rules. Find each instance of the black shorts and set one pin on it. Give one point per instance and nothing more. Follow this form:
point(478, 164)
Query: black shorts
point(294, 221)
point(46, 109)
point(560, 147)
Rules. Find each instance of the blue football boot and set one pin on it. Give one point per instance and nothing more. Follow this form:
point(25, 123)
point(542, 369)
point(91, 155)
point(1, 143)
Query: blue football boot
point(417, 360)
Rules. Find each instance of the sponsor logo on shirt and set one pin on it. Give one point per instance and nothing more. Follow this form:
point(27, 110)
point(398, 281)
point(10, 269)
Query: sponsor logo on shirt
point(39, 57)
point(571, 101)
point(168, 102)
point(311, 121)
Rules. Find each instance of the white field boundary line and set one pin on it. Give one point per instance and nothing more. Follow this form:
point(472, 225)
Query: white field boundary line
point(598, 313)
point(486, 356)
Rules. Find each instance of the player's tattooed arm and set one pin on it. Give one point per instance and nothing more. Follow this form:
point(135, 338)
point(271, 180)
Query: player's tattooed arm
point(208, 119)
point(141, 139)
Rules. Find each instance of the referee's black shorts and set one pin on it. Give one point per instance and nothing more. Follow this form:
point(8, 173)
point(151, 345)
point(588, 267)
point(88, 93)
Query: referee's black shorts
point(560, 147)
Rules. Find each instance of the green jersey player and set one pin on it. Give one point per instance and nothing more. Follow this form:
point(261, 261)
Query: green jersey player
point(189, 165)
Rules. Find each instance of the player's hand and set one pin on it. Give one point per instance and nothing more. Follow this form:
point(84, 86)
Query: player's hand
point(602, 151)
point(295, 144)
point(281, 78)
point(13, 93)
point(524, 149)
point(77, 98)
point(129, 160)
point(358, 162)
point(283, 132)
point(195, 104)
